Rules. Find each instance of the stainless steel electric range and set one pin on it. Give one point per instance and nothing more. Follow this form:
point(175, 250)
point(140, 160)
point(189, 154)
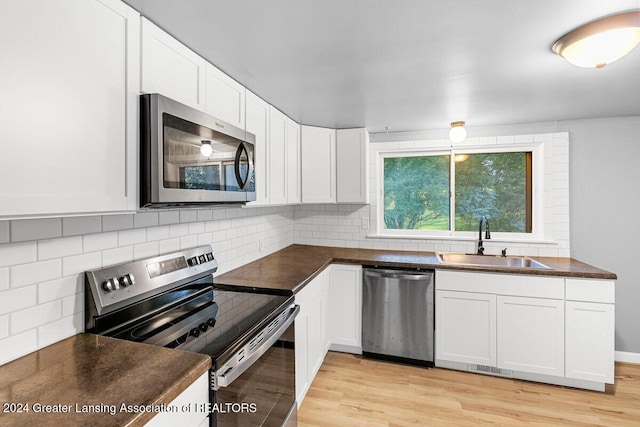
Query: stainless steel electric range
point(171, 301)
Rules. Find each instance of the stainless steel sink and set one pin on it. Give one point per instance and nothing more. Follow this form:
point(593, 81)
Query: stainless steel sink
point(488, 260)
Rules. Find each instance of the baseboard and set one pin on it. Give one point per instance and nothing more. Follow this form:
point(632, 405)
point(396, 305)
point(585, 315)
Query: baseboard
point(624, 356)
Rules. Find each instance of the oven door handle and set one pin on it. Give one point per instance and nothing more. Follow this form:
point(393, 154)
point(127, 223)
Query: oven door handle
point(228, 373)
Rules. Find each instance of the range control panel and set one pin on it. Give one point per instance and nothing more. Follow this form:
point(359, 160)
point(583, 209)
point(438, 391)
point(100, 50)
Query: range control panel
point(119, 285)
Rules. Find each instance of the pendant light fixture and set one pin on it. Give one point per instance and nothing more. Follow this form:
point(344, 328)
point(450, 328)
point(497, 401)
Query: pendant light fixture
point(457, 133)
point(600, 42)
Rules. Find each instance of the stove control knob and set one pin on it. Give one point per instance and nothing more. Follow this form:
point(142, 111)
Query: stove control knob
point(211, 321)
point(111, 285)
point(195, 332)
point(127, 280)
point(203, 327)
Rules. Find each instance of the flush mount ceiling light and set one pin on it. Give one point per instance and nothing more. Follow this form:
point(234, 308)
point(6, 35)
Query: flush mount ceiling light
point(600, 42)
point(206, 149)
point(457, 133)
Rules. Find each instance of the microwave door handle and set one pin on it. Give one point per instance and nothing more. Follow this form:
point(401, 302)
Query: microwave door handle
point(243, 183)
point(225, 376)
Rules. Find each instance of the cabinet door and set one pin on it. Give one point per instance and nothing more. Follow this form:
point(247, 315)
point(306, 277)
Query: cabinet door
point(466, 327)
point(257, 122)
point(303, 380)
point(590, 351)
point(346, 308)
point(352, 166)
point(318, 164)
point(195, 397)
point(171, 68)
point(531, 335)
point(69, 107)
point(277, 177)
point(225, 97)
point(311, 332)
point(293, 162)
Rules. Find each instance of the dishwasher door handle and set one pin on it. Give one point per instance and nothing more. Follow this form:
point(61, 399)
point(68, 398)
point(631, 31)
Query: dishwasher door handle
point(401, 275)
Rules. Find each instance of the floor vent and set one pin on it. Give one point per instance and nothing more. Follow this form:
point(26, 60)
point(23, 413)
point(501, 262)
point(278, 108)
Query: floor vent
point(490, 370)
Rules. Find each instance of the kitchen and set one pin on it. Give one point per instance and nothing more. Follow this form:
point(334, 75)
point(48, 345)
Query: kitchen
point(44, 255)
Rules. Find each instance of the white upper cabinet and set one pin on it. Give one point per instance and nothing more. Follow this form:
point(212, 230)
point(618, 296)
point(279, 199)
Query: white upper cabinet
point(293, 162)
point(171, 68)
point(318, 164)
point(257, 122)
point(352, 166)
point(225, 97)
point(277, 170)
point(69, 107)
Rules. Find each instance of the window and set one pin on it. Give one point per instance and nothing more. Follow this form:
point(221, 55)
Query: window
point(440, 193)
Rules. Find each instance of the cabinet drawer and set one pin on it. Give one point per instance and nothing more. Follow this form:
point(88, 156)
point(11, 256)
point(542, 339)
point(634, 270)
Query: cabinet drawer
point(603, 291)
point(501, 284)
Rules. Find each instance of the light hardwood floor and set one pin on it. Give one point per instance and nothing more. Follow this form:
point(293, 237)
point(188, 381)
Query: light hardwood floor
point(352, 391)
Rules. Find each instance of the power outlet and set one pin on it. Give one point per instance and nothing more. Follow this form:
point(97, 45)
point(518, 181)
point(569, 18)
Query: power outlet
point(261, 245)
point(365, 223)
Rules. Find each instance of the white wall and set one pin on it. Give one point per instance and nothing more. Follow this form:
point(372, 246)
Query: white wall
point(42, 261)
point(605, 211)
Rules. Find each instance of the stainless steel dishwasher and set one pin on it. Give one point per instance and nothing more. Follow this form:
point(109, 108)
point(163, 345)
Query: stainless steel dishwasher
point(398, 315)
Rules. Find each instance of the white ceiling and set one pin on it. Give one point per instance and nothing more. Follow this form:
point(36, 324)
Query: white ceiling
point(406, 64)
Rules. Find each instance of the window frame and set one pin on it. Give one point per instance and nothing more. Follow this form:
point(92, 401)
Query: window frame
point(537, 196)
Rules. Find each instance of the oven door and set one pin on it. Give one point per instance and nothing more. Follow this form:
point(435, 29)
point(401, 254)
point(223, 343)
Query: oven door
point(256, 385)
point(193, 157)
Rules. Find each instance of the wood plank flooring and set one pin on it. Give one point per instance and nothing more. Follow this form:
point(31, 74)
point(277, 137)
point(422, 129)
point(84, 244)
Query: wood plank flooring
point(353, 391)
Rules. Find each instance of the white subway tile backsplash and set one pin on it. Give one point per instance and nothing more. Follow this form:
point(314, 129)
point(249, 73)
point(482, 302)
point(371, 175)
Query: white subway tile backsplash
point(56, 248)
point(169, 245)
point(27, 274)
point(117, 255)
point(59, 288)
point(35, 316)
point(59, 330)
point(146, 219)
point(5, 234)
point(100, 241)
point(34, 229)
point(169, 217)
point(17, 299)
point(146, 250)
point(177, 230)
point(4, 326)
point(205, 215)
point(4, 278)
point(78, 225)
point(73, 304)
point(117, 222)
point(132, 237)
point(188, 215)
point(18, 345)
point(79, 263)
point(158, 233)
point(188, 241)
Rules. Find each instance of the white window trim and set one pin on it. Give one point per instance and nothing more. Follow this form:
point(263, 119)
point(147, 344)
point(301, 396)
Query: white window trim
point(537, 150)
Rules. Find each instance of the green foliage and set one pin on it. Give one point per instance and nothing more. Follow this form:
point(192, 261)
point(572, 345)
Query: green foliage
point(416, 192)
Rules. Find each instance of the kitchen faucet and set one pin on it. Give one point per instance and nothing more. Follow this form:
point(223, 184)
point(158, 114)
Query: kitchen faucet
point(487, 234)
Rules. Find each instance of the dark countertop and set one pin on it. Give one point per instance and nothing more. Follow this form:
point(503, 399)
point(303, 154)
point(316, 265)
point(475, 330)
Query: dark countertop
point(89, 369)
point(290, 269)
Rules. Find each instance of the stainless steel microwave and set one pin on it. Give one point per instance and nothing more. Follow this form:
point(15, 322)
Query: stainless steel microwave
point(190, 158)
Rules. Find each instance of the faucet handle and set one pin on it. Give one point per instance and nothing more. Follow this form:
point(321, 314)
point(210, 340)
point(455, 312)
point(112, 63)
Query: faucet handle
point(504, 252)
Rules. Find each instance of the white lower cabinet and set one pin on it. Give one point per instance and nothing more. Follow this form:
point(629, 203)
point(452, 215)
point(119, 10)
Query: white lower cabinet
point(196, 396)
point(311, 331)
point(590, 326)
point(466, 327)
point(346, 308)
point(530, 335)
point(540, 328)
